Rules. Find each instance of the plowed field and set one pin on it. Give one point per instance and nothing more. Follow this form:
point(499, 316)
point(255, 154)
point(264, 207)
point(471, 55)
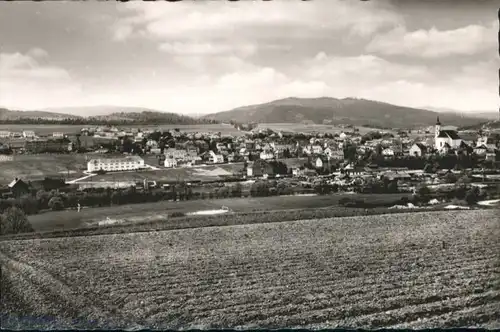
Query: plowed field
point(419, 270)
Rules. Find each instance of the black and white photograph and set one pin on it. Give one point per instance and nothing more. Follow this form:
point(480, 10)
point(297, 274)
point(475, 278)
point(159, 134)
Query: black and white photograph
point(247, 165)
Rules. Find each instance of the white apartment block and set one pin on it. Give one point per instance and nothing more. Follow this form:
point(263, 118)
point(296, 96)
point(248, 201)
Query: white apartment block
point(28, 134)
point(58, 134)
point(4, 134)
point(176, 154)
point(128, 163)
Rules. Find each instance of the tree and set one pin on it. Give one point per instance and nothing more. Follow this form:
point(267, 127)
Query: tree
point(350, 153)
point(450, 178)
point(28, 204)
point(472, 196)
point(423, 194)
point(236, 190)
point(428, 168)
point(259, 189)
point(56, 204)
point(13, 221)
point(392, 187)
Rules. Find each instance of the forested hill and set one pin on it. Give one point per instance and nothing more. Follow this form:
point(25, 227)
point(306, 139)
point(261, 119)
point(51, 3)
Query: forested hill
point(333, 111)
point(118, 118)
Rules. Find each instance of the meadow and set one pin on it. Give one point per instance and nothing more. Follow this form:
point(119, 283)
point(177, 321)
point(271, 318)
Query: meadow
point(38, 166)
point(309, 128)
point(410, 271)
point(161, 211)
point(71, 167)
point(74, 129)
point(211, 172)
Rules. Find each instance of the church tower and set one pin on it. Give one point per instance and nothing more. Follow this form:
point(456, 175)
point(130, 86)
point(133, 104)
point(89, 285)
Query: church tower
point(436, 132)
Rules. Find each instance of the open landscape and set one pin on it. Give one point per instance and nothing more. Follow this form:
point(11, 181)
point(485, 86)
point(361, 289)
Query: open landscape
point(48, 129)
point(247, 165)
point(69, 219)
point(419, 270)
point(309, 128)
point(39, 166)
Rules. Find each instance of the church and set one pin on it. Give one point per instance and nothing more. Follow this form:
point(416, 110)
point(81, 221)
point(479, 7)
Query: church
point(445, 139)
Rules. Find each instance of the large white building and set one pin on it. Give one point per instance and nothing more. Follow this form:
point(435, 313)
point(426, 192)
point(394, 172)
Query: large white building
point(28, 134)
point(115, 164)
point(445, 138)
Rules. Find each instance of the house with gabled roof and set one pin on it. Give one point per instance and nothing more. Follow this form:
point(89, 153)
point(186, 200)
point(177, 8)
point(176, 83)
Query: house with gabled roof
point(18, 187)
point(418, 150)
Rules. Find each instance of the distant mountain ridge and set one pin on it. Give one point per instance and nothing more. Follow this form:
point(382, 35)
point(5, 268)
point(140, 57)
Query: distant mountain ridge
point(352, 111)
point(6, 114)
point(490, 115)
point(92, 115)
point(101, 110)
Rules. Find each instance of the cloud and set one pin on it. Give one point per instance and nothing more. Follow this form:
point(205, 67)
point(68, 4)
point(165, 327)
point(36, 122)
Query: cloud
point(122, 32)
point(434, 43)
point(37, 53)
point(207, 49)
point(247, 19)
point(362, 70)
point(22, 76)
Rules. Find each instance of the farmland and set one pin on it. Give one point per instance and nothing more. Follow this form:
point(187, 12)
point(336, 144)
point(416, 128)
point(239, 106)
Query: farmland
point(173, 174)
point(161, 210)
point(308, 128)
point(41, 165)
point(74, 129)
point(419, 270)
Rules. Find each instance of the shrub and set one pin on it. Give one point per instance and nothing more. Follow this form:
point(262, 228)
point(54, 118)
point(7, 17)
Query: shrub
point(177, 214)
point(423, 194)
point(56, 204)
point(13, 221)
point(472, 196)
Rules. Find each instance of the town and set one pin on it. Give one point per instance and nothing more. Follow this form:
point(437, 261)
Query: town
point(437, 162)
point(245, 165)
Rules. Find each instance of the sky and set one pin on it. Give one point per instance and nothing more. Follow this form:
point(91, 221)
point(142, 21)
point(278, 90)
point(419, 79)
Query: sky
point(208, 56)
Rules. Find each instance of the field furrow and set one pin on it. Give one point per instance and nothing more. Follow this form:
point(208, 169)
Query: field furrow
point(367, 272)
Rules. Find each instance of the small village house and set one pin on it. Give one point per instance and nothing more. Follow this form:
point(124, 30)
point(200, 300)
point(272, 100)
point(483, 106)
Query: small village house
point(317, 149)
point(418, 150)
point(259, 168)
point(170, 162)
point(4, 134)
point(18, 187)
point(215, 158)
point(388, 152)
point(266, 155)
point(319, 163)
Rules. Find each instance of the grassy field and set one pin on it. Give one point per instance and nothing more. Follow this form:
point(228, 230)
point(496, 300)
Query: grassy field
point(207, 172)
point(74, 129)
point(30, 167)
point(211, 172)
point(38, 166)
point(69, 219)
point(298, 127)
point(387, 271)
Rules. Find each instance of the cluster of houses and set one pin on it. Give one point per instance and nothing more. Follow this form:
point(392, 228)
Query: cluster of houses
point(214, 148)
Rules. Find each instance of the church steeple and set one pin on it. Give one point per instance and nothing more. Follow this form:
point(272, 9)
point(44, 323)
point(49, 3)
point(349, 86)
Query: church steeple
point(437, 129)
